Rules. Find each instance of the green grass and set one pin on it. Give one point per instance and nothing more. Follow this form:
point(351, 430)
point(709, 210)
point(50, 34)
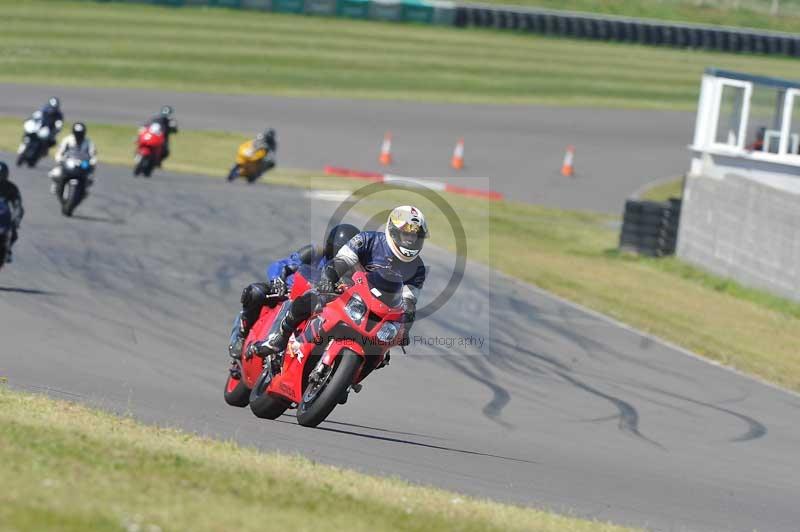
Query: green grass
point(663, 190)
point(68, 468)
point(748, 13)
point(220, 50)
point(571, 254)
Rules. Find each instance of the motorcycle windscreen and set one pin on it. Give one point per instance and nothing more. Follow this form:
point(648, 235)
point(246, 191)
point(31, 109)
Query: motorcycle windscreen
point(310, 273)
point(387, 286)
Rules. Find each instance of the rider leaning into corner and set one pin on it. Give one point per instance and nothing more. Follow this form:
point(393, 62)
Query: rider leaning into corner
point(396, 248)
point(168, 124)
point(77, 141)
point(280, 277)
point(267, 141)
point(10, 193)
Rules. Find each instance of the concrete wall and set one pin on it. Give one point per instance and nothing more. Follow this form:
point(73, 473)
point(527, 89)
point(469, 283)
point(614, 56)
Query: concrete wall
point(743, 228)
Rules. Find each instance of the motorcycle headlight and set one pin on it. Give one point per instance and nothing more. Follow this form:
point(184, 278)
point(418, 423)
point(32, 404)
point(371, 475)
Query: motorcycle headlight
point(44, 132)
point(388, 332)
point(355, 309)
point(70, 164)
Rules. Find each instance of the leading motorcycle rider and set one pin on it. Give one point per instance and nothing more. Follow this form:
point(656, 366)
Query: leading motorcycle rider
point(53, 118)
point(76, 141)
point(10, 193)
point(396, 248)
point(280, 276)
point(168, 125)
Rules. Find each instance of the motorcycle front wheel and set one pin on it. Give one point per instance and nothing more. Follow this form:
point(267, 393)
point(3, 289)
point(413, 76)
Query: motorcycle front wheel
point(236, 391)
point(147, 166)
point(234, 173)
point(262, 404)
point(320, 398)
point(72, 199)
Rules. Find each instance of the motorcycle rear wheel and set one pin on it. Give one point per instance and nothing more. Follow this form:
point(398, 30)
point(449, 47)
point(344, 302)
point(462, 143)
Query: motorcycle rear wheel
point(313, 410)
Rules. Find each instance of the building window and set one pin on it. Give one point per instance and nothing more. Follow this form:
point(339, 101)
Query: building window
point(729, 119)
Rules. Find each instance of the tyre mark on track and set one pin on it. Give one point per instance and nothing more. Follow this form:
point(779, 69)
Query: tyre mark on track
point(628, 415)
point(755, 429)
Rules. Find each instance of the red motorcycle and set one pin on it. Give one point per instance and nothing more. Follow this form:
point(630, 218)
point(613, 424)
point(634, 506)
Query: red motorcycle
point(149, 149)
point(328, 355)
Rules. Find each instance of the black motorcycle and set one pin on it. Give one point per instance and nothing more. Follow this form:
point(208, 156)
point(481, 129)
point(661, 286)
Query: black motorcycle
point(72, 183)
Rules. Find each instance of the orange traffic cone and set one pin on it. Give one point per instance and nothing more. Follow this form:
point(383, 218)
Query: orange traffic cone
point(457, 161)
point(567, 169)
point(386, 150)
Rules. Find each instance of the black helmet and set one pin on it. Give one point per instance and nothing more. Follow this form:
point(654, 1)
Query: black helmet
point(79, 131)
point(54, 102)
point(3, 172)
point(269, 138)
point(338, 237)
point(167, 111)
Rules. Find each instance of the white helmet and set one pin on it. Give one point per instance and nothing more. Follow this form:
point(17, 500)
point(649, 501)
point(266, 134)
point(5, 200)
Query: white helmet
point(406, 231)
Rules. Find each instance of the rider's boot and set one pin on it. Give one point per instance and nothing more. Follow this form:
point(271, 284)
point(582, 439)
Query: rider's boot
point(273, 347)
point(276, 342)
point(238, 335)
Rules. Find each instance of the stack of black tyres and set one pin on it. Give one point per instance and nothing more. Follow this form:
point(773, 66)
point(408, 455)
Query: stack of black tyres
point(650, 227)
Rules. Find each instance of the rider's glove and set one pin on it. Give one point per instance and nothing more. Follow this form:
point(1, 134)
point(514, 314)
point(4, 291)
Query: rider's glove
point(277, 287)
point(328, 280)
point(257, 349)
point(326, 286)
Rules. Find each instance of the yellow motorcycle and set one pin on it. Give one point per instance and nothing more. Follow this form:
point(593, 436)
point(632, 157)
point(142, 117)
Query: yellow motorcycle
point(251, 161)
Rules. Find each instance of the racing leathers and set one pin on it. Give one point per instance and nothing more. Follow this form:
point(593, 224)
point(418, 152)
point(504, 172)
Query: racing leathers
point(272, 150)
point(168, 125)
point(368, 250)
point(71, 144)
point(280, 277)
point(53, 118)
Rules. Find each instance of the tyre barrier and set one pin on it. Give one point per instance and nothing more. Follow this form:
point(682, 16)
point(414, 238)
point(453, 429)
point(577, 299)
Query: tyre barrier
point(650, 228)
point(557, 23)
point(623, 29)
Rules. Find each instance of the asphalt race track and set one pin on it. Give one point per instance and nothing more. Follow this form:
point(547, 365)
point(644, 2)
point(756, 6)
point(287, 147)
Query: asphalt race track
point(519, 149)
point(128, 307)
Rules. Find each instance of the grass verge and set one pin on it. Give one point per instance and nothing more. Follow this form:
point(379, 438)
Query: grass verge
point(746, 13)
point(662, 191)
point(571, 254)
point(220, 50)
point(70, 468)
